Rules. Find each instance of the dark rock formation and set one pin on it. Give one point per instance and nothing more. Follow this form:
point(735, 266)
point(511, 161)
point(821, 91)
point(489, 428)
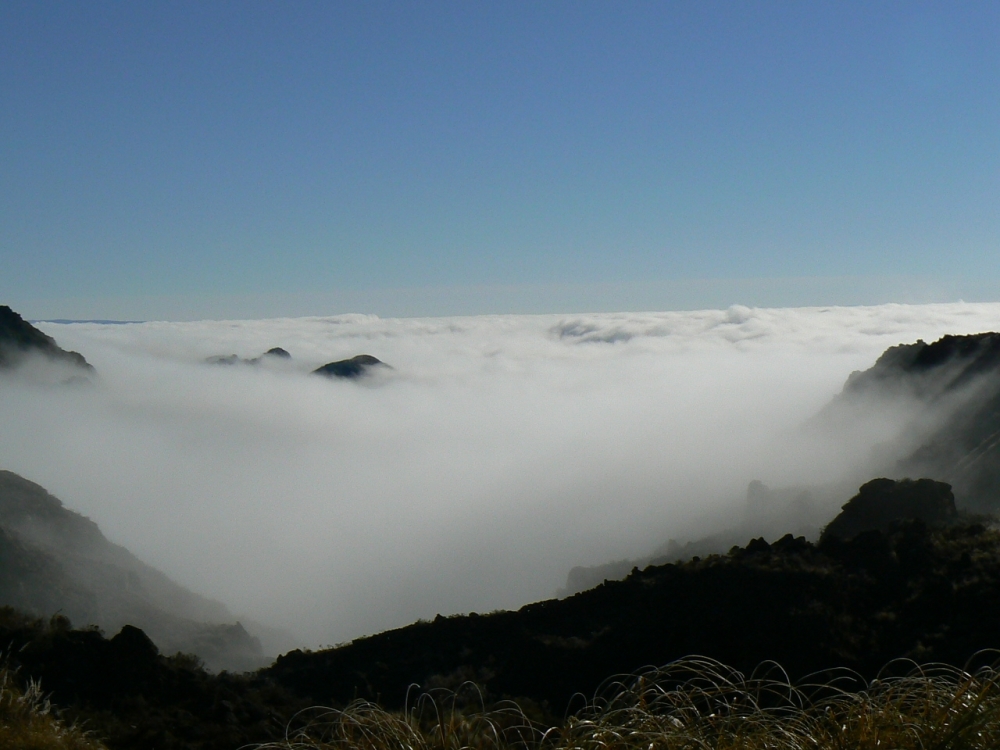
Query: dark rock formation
point(19, 339)
point(55, 560)
point(354, 367)
point(276, 351)
point(882, 504)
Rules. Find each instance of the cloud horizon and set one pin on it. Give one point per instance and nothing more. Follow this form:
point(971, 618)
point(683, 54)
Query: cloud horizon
point(499, 452)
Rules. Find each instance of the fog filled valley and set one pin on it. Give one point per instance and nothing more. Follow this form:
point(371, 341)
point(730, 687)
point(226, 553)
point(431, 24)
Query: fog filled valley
point(493, 455)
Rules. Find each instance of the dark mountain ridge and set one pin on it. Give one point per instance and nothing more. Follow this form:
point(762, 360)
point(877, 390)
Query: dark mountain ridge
point(275, 353)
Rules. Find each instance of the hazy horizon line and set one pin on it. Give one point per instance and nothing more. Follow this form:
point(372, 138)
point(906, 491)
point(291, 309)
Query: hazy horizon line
point(542, 298)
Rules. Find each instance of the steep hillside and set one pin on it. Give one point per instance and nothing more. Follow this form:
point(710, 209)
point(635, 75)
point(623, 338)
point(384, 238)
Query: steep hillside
point(20, 342)
point(949, 391)
point(55, 560)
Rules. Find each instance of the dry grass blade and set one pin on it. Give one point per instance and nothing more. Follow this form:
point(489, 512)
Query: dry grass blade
point(694, 704)
point(27, 721)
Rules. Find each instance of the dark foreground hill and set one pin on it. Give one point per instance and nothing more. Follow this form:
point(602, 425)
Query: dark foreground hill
point(55, 560)
point(927, 594)
point(129, 696)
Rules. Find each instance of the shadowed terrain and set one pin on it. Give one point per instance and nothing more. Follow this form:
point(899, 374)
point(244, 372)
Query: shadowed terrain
point(55, 560)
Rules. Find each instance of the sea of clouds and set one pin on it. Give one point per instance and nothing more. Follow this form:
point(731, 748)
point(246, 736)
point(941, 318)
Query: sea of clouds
point(499, 452)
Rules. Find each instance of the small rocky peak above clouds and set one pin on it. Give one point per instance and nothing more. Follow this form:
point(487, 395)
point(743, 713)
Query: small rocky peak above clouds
point(352, 368)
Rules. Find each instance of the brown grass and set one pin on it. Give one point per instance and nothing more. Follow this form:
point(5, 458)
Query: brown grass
point(27, 721)
point(692, 704)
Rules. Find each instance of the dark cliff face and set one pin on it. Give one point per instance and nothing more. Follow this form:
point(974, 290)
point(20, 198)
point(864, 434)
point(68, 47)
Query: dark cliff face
point(19, 340)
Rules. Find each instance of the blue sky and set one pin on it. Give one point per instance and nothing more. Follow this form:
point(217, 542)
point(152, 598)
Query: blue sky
point(244, 159)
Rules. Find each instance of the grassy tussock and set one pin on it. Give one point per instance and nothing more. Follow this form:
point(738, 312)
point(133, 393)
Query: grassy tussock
point(27, 721)
point(692, 704)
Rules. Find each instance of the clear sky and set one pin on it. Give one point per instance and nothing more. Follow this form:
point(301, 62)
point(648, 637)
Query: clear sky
point(244, 159)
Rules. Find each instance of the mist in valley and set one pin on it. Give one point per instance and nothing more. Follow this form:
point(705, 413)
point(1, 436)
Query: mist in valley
point(498, 452)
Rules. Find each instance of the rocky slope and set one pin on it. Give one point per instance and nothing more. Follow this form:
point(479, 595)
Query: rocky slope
point(963, 447)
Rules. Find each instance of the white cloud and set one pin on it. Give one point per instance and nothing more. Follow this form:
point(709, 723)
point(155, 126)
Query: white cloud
point(498, 453)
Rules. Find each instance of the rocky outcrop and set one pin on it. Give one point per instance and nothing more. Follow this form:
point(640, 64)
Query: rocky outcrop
point(19, 340)
point(355, 367)
point(882, 504)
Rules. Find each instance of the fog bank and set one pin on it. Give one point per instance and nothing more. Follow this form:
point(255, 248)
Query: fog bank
point(499, 452)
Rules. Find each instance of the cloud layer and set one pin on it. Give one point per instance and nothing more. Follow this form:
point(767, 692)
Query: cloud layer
point(498, 453)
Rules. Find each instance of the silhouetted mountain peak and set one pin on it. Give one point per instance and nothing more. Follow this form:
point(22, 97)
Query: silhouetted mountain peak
point(19, 339)
point(354, 367)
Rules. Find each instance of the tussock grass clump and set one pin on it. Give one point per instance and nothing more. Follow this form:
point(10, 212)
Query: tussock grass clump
point(27, 721)
point(692, 704)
